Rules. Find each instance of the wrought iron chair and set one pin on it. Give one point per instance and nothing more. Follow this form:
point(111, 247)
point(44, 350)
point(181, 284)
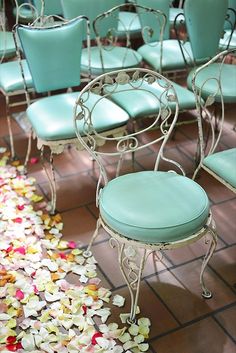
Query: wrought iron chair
point(7, 45)
point(171, 50)
point(110, 50)
point(215, 84)
point(11, 81)
point(204, 17)
point(142, 211)
point(53, 55)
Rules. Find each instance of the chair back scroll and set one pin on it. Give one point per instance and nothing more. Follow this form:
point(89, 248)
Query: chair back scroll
point(212, 89)
point(129, 85)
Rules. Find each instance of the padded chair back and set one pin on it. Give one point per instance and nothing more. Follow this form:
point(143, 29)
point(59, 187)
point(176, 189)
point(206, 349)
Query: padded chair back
point(53, 54)
point(205, 22)
point(51, 7)
point(90, 9)
point(146, 21)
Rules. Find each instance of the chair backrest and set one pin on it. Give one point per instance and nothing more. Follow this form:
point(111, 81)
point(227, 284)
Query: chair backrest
point(53, 54)
point(51, 7)
point(205, 22)
point(211, 84)
point(129, 85)
point(88, 8)
point(146, 21)
point(153, 27)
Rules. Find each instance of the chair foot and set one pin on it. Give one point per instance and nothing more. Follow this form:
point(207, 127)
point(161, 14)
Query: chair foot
point(52, 181)
point(207, 294)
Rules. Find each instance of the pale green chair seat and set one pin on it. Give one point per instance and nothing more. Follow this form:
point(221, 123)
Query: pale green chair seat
point(140, 102)
point(223, 164)
point(11, 78)
point(224, 41)
point(172, 58)
point(7, 45)
point(154, 207)
point(174, 11)
point(113, 59)
point(128, 21)
point(58, 110)
point(228, 81)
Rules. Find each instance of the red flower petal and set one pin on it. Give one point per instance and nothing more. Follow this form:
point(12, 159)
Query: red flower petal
point(84, 308)
point(94, 338)
point(17, 220)
point(9, 249)
point(19, 345)
point(20, 207)
point(11, 339)
point(62, 255)
point(11, 347)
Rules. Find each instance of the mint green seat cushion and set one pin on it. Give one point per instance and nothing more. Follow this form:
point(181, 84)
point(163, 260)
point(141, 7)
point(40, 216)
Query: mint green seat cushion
point(223, 163)
point(143, 102)
point(7, 45)
point(172, 58)
point(154, 207)
point(113, 59)
point(173, 13)
point(11, 78)
point(228, 81)
point(52, 117)
point(128, 22)
point(224, 41)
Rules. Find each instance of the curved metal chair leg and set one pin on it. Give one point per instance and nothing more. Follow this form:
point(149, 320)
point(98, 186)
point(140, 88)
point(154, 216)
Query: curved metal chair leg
point(10, 129)
point(88, 252)
point(51, 178)
point(28, 151)
point(132, 273)
point(206, 293)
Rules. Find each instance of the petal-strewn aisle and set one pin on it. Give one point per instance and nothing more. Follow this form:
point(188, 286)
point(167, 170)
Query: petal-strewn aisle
point(41, 310)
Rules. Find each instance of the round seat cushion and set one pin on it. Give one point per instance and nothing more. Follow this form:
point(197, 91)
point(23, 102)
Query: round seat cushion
point(154, 207)
point(207, 81)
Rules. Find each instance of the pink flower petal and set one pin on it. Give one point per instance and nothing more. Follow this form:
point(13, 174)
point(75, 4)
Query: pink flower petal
point(19, 294)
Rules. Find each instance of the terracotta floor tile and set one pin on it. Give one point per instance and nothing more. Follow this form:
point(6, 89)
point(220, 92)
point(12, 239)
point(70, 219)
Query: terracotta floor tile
point(216, 191)
point(190, 252)
point(189, 275)
point(79, 225)
point(181, 301)
point(150, 306)
point(73, 191)
point(224, 263)
point(72, 162)
point(224, 215)
point(4, 127)
point(202, 337)
point(108, 261)
point(226, 318)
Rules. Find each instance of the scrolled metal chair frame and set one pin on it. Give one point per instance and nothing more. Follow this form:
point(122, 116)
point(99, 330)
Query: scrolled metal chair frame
point(112, 36)
point(211, 112)
point(131, 263)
